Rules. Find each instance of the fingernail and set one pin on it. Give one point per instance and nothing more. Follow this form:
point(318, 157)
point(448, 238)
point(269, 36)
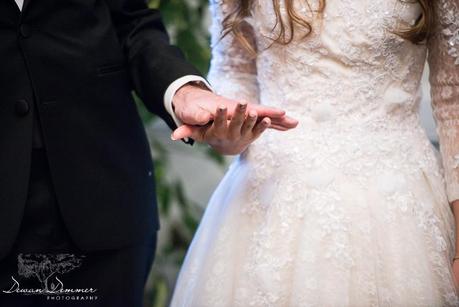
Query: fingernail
point(252, 114)
point(173, 138)
point(222, 108)
point(243, 105)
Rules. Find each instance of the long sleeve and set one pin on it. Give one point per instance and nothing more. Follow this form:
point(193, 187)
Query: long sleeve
point(233, 71)
point(443, 58)
point(154, 64)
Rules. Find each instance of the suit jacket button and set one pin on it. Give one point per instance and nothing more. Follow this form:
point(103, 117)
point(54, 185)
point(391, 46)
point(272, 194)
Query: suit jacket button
point(25, 30)
point(22, 107)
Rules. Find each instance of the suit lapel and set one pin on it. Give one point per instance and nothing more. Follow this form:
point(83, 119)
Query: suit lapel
point(13, 3)
point(24, 6)
point(9, 12)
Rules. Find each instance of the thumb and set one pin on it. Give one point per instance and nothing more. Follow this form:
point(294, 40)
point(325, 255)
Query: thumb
point(187, 131)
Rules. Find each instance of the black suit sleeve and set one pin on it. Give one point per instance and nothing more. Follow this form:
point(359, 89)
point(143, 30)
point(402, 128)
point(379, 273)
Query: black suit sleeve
point(153, 62)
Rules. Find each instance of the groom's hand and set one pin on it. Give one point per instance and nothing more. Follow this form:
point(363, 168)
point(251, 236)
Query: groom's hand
point(196, 106)
point(227, 136)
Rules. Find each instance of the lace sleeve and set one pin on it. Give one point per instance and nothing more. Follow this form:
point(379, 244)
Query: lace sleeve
point(233, 71)
point(443, 60)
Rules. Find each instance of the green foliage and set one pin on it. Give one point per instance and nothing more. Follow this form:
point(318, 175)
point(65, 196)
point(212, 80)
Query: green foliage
point(187, 23)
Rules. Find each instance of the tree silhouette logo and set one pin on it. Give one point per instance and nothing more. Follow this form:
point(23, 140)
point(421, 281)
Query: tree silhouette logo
point(45, 267)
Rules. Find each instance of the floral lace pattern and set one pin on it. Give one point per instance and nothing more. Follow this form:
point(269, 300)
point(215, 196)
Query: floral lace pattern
point(450, 24)
point(350, 208)
point(444, 80)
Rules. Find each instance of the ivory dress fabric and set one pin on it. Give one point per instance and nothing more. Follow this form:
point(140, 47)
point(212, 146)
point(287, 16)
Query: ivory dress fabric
point(351, 208)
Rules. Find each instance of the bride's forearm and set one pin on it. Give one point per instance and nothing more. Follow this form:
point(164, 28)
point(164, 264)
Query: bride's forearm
point(455, 208)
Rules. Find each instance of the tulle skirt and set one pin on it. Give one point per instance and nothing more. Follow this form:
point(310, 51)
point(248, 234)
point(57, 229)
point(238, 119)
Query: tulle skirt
point(310, 219)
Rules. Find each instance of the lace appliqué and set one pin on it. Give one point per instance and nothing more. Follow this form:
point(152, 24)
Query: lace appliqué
point(456, 161)
point(450, 20)
point(337, 211)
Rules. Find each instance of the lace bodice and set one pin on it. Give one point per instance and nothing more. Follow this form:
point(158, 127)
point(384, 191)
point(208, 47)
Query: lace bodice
point(351, 71)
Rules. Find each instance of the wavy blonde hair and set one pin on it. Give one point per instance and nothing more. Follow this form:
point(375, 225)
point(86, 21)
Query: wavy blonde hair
point(233, 22)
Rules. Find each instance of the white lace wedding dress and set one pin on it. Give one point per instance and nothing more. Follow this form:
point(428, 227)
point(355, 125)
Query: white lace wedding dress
point(352, 207)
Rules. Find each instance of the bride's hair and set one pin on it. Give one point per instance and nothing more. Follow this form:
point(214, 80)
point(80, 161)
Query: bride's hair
point(233, 22)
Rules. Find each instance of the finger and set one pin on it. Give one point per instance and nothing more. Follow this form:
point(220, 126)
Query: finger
point(232, 107)
point(187, 131)
point(265, 111)
point(285, 121)
point(212, 105)
point(261, 127)
point(278, 127)
point(237, 121)
point(220, 124)
point(249, 123)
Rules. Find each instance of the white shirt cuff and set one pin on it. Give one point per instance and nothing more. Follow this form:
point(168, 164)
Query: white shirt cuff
point(173, 88)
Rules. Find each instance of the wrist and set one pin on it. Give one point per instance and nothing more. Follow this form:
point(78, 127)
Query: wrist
point(182, 93)
point(188, 88)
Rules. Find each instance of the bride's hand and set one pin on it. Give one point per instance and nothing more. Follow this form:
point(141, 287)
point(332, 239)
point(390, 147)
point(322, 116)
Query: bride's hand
point(227, 136)
point(196, 106)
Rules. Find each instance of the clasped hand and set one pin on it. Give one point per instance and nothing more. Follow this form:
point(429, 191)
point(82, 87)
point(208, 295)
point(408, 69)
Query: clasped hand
point(226, 125)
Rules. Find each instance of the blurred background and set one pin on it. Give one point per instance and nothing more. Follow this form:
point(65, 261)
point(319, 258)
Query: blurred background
point(186, 176)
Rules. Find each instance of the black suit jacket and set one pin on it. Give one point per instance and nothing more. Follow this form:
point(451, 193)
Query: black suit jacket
point(79, 60)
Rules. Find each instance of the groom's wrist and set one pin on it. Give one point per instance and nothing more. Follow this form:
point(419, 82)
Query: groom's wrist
point(171, 92)
point(179, 84)
point(186, 89)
